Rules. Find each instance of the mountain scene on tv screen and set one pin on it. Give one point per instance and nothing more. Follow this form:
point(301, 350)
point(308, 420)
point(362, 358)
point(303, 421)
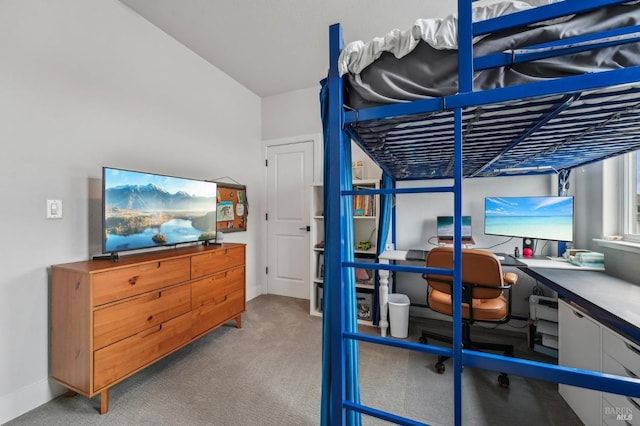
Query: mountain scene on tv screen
point(139, 216)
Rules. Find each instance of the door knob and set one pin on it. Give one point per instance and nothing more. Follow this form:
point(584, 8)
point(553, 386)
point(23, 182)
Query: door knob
point(306, 228)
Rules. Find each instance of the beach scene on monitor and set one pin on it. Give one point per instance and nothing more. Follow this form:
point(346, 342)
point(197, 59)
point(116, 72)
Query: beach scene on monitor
point(145, 210)
point(445, 226)
point(545, 218)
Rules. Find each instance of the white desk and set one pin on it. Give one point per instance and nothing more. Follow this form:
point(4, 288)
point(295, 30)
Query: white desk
point(612, 301)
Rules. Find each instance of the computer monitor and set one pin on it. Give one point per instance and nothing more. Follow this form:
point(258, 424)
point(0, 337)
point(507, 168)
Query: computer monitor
point(444, 226)
point(543, 218)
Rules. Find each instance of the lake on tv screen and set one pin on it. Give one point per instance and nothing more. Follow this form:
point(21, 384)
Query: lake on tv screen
point(542, 227)
point(174, 231)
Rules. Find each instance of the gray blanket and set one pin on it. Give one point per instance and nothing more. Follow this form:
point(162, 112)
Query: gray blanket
point(427, 72)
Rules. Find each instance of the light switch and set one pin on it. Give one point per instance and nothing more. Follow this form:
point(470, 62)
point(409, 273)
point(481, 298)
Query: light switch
point(54, 209)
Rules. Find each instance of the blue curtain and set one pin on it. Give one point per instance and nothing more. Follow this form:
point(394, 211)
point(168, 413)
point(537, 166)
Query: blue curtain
point(386, 204)
point(346, 284)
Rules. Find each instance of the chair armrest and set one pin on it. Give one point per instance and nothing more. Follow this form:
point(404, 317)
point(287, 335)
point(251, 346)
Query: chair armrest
point(510, 278)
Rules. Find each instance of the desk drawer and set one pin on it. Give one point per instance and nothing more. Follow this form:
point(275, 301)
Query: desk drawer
point(116, 322)
point(621, 350)
point(126, 356)
point(214, 288)
point(216, 261)
point(132, 280)
point(219, 312)
point(612, 366)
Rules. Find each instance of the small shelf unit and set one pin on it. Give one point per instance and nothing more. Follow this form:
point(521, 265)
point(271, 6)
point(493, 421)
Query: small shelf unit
point(365, 228)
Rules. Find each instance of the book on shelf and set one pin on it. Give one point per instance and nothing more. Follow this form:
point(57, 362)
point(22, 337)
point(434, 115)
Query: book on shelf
point(364, 205)
point(320, 267)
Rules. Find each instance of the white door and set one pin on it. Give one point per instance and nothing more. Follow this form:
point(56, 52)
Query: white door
point(289, 180)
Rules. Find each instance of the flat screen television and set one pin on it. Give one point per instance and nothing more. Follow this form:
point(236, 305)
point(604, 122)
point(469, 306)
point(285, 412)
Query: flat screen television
point(543, 218)
point(143, 210)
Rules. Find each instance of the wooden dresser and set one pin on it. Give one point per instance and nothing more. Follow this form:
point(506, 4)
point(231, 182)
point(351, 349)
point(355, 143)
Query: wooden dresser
point(112, 319)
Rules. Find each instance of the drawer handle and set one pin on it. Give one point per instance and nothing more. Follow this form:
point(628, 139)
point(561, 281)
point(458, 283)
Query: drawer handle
point(150, 318)
point(632, 348)
point(154, 296)
point(153, 331)
point(633, 402)
point(578, 314)
point(630, 373)
point(222, 299)
point(133, 279)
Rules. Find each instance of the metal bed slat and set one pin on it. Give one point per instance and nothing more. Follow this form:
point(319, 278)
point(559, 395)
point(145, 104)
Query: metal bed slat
point(493, 134)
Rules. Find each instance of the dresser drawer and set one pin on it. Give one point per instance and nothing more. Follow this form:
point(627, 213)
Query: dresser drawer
point(115, 322)
point(214, 288)
point(132, 280)
point(216, 261)
point(217, 312)
point(626, 353)
point(116, 361)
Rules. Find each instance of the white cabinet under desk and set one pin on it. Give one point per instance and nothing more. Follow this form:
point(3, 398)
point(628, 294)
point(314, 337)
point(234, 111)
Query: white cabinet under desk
point(599, 330)
point(579, 346)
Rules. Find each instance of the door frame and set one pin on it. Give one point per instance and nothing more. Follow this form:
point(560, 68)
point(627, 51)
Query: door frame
point(316, 139)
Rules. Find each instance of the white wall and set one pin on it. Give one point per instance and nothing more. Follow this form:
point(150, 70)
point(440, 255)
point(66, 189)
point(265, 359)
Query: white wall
point(298, 113)
point(85, 84)
point(291, 114)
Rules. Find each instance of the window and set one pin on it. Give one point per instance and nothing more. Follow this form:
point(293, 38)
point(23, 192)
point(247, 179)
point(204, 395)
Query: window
point(632, 197)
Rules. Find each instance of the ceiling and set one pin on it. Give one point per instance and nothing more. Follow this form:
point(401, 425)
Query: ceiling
point(277, 46)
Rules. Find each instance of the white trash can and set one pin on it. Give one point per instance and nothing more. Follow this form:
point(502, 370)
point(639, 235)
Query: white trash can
point(399, 315)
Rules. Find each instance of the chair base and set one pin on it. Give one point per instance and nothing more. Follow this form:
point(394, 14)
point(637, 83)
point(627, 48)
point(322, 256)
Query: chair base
point(468, 343)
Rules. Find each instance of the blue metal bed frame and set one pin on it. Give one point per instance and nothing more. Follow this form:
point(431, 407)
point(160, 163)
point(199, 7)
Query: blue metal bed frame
point(341, 404)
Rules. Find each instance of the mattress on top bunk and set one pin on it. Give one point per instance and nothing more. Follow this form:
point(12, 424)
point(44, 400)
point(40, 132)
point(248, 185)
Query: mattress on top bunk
point(423, 63)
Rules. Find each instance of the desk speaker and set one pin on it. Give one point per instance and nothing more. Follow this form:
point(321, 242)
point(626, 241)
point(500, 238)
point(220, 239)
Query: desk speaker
point(528, 247)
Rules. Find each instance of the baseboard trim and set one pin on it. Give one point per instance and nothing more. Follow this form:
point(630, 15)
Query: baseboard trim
point(27, 398)
point(253, 292)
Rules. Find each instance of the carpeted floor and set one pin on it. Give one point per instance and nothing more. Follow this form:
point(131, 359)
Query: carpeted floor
point(269, 372)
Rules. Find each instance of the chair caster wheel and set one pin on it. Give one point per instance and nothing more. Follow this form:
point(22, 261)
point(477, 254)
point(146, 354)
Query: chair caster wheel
point(503, 380)
point(422, 340)
point(439, 367)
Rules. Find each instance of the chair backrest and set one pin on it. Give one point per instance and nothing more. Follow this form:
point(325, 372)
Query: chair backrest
point(478, 267)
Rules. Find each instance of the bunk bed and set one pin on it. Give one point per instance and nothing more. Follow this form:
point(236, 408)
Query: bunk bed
point(524, 90)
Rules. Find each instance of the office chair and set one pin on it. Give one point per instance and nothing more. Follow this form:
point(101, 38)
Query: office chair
point(485, 289)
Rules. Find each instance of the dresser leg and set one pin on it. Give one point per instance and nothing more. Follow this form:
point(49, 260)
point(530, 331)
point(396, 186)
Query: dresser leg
point(71, 393)
point(104, 401)
point(239, 321)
